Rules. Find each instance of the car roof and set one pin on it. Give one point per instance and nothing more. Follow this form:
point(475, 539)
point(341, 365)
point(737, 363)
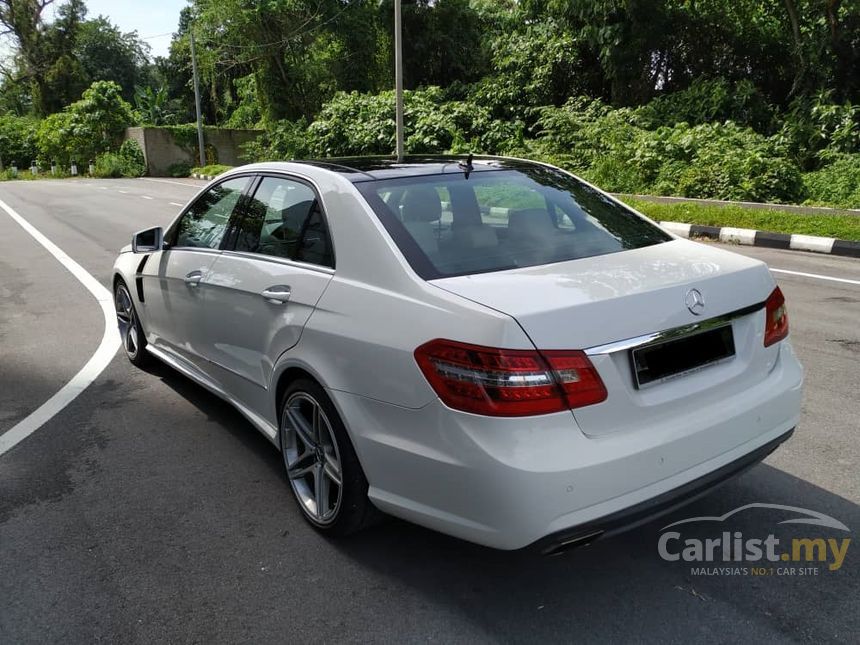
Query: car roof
point(361, 169)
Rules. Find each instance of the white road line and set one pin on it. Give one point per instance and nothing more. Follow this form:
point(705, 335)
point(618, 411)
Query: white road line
point(816, 276)
point(176, 204)
point(124, 192)
point(147, 197)
point(98, 362)
point(167, 181)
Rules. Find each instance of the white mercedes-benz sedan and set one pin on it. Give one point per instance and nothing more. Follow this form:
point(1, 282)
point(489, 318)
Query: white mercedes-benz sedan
point(491, 348)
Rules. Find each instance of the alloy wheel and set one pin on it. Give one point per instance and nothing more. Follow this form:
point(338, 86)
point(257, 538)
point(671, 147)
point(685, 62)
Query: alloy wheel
point(126, 320)
point(312, 458)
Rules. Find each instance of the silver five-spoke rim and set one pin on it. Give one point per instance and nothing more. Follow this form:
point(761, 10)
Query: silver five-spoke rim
point(312, 458)
point(125, 317)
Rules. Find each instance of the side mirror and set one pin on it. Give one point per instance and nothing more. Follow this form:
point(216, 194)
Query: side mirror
point(152, 239)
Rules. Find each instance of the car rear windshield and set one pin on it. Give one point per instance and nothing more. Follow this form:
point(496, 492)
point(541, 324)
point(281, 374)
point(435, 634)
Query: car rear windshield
point(448, 225)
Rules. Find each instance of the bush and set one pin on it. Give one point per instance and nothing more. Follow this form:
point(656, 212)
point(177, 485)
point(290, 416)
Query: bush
point(837, 184)
point(54, 137)
point(363, 124)
point(283, 140)
point(134, 163)
point(584, 131)
point(86, 128)
point(18, 140)
point(109, 165)
point(539, 65)
point(815, 130)
point(179, 169)
point(717, 160)
point(709, 101)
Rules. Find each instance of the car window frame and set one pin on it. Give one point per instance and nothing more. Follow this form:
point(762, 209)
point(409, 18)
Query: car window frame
point(309, 183)
point(229, 232)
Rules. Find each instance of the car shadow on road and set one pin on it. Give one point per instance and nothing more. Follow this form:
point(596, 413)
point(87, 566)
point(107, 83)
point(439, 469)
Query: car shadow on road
point(617, 589)
point(220, 412)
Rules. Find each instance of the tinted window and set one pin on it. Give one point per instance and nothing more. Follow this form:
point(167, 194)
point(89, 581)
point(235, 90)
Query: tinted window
point(204, 224)
point(449, 225)
point(284, 219)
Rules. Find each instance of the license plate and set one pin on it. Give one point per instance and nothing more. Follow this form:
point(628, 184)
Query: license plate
point(675, 357)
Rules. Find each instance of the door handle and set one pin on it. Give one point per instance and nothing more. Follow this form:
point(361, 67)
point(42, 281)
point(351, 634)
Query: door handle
point(278, 295)
point(193, 279)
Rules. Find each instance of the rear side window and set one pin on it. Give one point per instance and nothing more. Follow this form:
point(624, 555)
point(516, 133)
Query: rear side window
point(284, 219)
point(204, 224)
point(449, 225)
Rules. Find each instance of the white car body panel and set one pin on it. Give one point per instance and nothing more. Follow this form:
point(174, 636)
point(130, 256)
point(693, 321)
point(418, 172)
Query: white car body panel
point(607, 298)
point(174, 310)
point(502, 482)
point(245, 333)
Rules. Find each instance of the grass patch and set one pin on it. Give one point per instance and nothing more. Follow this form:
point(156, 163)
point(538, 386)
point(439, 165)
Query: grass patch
point(26, 175)
point(843, 227)
point(212, 170)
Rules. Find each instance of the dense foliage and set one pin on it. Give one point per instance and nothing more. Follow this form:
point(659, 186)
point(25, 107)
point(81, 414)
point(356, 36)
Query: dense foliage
point(17, 140)
point(86, 128)
point(744, 100)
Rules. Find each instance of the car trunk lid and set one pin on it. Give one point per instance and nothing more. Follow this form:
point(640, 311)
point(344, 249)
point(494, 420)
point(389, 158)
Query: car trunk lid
point(597, 303)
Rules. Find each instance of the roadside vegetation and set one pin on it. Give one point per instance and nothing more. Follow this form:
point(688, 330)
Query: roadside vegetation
point(842, 227)
point(210, 171)
point(729, 100)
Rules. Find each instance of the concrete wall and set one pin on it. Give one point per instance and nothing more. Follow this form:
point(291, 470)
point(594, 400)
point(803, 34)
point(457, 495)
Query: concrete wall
point(161, 151)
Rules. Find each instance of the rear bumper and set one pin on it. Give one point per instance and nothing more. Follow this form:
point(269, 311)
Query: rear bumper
point(653, 508)
point(509, 483)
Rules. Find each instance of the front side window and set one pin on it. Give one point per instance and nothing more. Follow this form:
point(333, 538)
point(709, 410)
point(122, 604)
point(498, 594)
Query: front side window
point(284, 219)
point(204, 224)
point(449, 225)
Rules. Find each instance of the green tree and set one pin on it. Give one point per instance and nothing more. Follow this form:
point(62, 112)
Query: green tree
point(107, 54)
point(87, 127)
point(55, 62)
point(442, 42)
point(152, 106)
point(17, 140)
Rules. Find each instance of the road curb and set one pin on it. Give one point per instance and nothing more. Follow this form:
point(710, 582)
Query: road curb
point(798, 209)
point(751, 237)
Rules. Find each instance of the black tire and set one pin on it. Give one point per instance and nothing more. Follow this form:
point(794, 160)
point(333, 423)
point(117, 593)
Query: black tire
point(353, 510)
point(130, 330)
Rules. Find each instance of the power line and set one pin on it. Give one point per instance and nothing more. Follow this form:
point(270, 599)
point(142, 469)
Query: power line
point(169, 33)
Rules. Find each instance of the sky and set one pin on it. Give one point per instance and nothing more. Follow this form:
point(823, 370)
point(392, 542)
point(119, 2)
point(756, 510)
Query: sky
point(154, 20)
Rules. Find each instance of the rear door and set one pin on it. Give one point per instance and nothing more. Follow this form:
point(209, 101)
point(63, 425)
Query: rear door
point(173, 281)
point(263, 289)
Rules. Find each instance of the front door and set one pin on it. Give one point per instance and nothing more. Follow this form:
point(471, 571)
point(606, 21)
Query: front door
point(175, 280)
point(261, 292)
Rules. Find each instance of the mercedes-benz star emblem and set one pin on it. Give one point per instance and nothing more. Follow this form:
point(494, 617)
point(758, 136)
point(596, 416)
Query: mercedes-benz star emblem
point(695, 302)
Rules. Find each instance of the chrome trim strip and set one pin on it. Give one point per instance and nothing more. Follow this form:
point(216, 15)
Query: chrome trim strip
point(675, 332)
point(262, 257)
point(192, 249)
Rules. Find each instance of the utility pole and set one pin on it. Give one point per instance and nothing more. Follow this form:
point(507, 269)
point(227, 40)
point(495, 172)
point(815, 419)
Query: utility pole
point(200, 142)
point(398, 77)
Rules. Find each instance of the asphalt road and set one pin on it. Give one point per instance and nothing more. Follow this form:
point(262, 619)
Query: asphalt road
point(150, 511)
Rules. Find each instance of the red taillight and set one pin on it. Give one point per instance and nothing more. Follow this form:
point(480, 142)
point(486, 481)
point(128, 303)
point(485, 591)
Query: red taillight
point(508, 382)
point(776, 320)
